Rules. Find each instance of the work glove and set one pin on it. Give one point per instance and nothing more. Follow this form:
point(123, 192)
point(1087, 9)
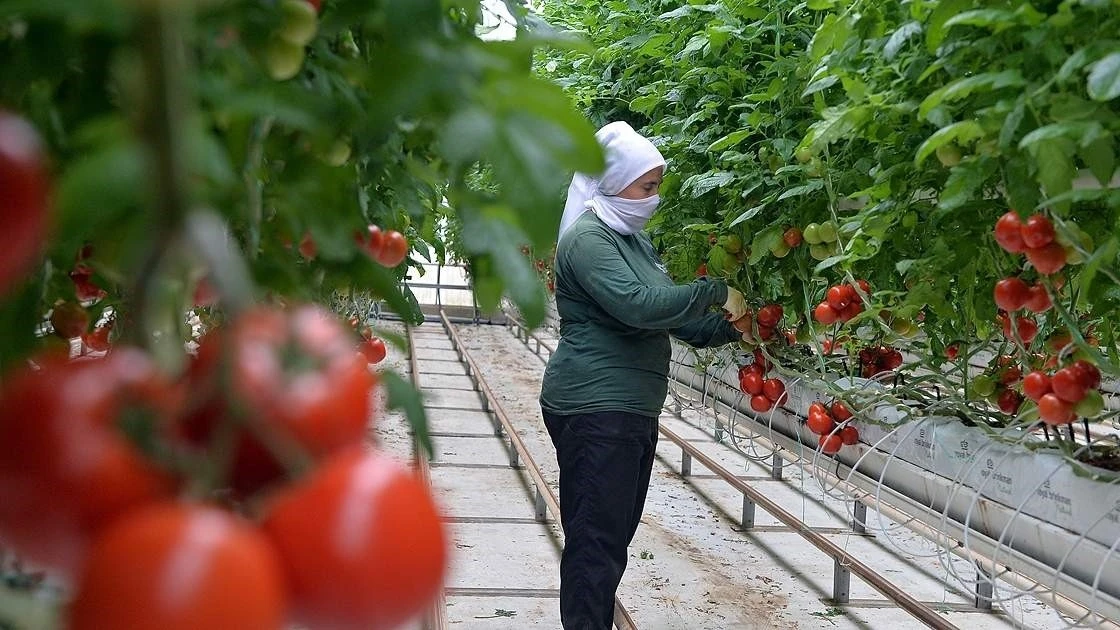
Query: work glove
point(735, 306)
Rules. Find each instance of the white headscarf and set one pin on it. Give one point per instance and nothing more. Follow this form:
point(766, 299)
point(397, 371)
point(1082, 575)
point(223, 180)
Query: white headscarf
point(629, 155)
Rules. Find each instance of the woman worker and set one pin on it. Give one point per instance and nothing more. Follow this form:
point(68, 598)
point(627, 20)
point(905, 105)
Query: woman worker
point(607, 381)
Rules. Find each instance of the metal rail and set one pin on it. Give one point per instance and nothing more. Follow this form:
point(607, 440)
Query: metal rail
point(544, 498)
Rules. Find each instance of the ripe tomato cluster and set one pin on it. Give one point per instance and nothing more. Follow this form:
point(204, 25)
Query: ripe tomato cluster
point(874, 360)
point(1034, 237)
point(764, 392)
point(832, 423)
point(241, 494)
point(842, 303)
point(1070, 392)
point(388, 248)
point(370, 346)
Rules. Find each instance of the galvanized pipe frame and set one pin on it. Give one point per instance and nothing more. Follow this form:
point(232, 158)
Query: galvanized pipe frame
point(544, 498)
point(1027, 573)
point(844, 564)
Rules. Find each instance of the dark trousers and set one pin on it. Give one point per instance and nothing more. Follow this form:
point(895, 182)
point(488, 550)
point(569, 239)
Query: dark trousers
point(605, 464)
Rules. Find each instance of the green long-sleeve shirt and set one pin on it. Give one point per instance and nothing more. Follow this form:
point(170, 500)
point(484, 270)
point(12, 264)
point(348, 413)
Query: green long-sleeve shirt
point(617, 308)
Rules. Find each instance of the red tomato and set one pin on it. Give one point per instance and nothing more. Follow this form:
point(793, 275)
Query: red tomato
point(316, 4)
point(769, 315)
point(1047, 259)
point(372, 242)
point(294, 374)
point(307, 247)
point(756, 368)
point(837, 298)
point(66, 468)
point(849, 435)
point(1011, 293)
point(1027, 329)
point(174, 566)
point(830, 444)
point(864, 286)
point(792, 237)
point(1036, 385)
point(394, 250)
point(69, 320)
point(98, 340)
point(818, 407)
point(761, 403)
point(23, 203)
point(1037, 231)
point(1054, 410)
point(766, 333)
point(373, 350)
point(1009, 233)
point(1087, 373)
point(952, 351)
point(775, 390)
point(1067, 385)
point(850, 311)
point(761, 360)
point(820, 422)
point(825, 314)
point(361, 543)
point(1038, 300)
point(1009, 401)
point(702, 270)
point(752, 384)
point(840, 411)
point(893, 359)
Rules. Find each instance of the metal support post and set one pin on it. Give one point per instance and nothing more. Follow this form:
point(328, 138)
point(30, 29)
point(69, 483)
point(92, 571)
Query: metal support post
point(985, 592)
point(514, 460)
point(841, 582)
point(776, 466)
point(686, 464)
point(748, 513)
point(539, 506)
point(859, 517)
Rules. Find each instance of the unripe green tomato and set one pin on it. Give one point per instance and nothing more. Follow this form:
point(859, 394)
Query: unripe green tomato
point(1091, 405)
point(732, 243)
point(819, 251)
point(910, 220)
point(338, 154)
point(300, 22)
point(779, 249)
point(827, 232)
point(949, 155)
point(803, 154)
point(812, 234)
point(283, 59)
point(982, 386)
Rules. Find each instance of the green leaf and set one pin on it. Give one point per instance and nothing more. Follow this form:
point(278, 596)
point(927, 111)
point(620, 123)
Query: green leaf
point(1104, 78)
point(899, 38)
point(729, 140)
point(962, 88)
point(1084, 133)
point(963, 184)
point(836, 123)
point(698, 185)
point(762, 243)
point(936, 28)
point(404, 396)
point(960, 132)
point(1056, 169)
point(1103, 255)
point(995, 19)
point(804, 189)
point(820, 5)
point(1011, 124)
point(747, 215)
point(833, 33)
point(1100, 158)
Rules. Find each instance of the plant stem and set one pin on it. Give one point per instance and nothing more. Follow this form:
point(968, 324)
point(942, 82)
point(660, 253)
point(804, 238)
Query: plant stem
point(160, 34)
point(254, 188)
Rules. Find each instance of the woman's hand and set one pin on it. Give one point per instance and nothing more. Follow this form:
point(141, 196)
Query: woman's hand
point(735, 306)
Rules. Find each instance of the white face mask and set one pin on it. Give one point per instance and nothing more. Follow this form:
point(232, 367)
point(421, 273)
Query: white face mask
point(625, 216)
